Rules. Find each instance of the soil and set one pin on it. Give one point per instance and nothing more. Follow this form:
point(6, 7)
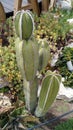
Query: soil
point(58, 108)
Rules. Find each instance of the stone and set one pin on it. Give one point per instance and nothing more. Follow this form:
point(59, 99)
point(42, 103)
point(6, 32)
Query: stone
point(70, 21)
point(70, 45)
point(64, 4)
point(65, 93)
point(3, 82)
point(4, 101)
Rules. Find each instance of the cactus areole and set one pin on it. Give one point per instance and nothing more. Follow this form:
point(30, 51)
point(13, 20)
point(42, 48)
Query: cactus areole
point(24, 24)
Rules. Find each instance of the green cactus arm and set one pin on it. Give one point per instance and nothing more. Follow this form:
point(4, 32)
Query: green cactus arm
point(44, 54)
point(31, 59)
point(49, 90)
point(30, 90)
point(28, 29)
point(43, 58)
point(24, 24)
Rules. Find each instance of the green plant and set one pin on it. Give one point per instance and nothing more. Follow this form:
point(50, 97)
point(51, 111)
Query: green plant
point(24, 33)
point(66, 54)
point(8, 68)
point(15, 120)
point(6, 31)
point(31, 61)
point(67, 125)
point(54, 27)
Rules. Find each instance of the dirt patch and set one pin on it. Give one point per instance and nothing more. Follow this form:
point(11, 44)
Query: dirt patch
point(58, 108)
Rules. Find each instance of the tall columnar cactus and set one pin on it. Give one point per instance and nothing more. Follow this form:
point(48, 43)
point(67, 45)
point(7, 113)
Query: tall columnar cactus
point(32, 58)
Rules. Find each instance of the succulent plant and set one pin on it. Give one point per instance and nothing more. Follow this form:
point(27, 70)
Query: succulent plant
point(24, 24)
point(30, 91)
point(33, 57)
point(44, 54)
point(9, 72)
point(30, 58)
point(49, 90)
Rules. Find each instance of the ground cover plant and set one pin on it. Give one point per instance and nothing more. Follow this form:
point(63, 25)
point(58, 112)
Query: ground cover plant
point(17, 119)
point(61, 65)
point(54, 27)
point(67, 125)
point(9, 72)
point(6, 31)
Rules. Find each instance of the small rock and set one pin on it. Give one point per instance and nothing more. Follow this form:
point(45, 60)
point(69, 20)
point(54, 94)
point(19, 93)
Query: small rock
point(70, 45)
point(70, 21)
point(4, 101)
point(64, 4)
point(65, 93)
point(54, 60)
point(3, 82)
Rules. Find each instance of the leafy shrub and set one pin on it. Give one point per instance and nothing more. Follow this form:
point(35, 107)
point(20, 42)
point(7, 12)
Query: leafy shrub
point(6, 30)
point(54, 27)
point(17, 119)
point(67, 53)
point(8, 67)
point(68, 125)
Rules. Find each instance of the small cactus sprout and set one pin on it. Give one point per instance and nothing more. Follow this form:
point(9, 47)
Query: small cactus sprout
point(24, 24)
point(49, 90)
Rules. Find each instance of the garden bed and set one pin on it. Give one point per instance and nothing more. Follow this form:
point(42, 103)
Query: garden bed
point(57, 39)
point(52, 119)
